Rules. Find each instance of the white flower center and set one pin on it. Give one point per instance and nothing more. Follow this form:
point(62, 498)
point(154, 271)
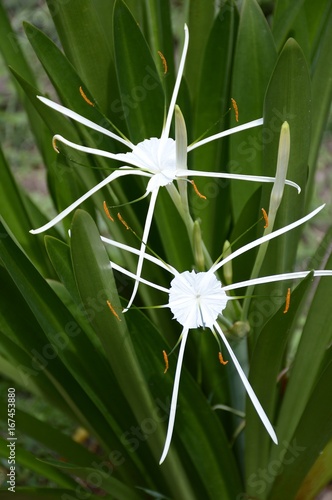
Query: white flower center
point(156, 156)
point(196, 299)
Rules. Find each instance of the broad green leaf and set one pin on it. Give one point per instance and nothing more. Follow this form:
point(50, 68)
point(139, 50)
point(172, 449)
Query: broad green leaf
point(213, 102)
point(100, 476)
point(161, 41)
point(287, 99)
point(28, 460)
point(284, 16)
point(308, 360)
point(313, 432)
point(318, 477)
point(201, 16)
point(14, 212)
point(254, 59)
point(50, 437)
point(85, 31)
point(62, 349)
point(266, 365)
point(141, 95)
point(321, 94)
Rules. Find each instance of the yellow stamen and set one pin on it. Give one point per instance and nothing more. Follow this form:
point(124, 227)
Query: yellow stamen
point(236, 109)
point(107, 212)
point(166, 361)
point(196, 190)
point(221, 359)
point(266, 218)
point(163, 59)
point(287, 303)
point(85, 97)
point(54, 145)
point(123, 221)
point(113, 310)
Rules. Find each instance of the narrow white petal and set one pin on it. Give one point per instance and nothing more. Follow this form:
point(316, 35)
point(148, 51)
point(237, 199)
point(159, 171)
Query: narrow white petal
point(68, 210)
point(224, 133)
point(276, 277)
point(135, 251)
point(141, 280)
point(145, 236)
point(226, 175)
point(268, 237)
point(78, 118)
point(165, 132)
point(249, 389)
point(174, 400)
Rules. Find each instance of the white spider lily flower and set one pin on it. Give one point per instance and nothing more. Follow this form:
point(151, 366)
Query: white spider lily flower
point(154, 158)
point(196, 299)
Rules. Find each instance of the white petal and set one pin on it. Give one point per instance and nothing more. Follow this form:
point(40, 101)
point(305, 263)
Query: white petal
point(249, 389)
point(135, 251)
point(268, 237)
point(224, 133)
point(68, 210)
point(276, 277)
point(167, 126)
point(226, 175)
point(146, 231)
point(78, 118)
point(134, 277)
point(174, 400)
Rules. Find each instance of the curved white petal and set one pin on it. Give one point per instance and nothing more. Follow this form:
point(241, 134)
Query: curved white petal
point(94, 151)
point(249, 389)
point(276, 277)
point(68, 210)
point(263, 239)
point(141, 280)
point(135, 251)
point(166, 129)
point(175, 393)
point(145, 236)
point(224, 133)
point(78, 118)
point(226, 175)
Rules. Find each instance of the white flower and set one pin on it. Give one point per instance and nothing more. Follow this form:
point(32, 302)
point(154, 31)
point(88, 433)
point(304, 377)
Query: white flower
point(196, 299)
point(154, 158)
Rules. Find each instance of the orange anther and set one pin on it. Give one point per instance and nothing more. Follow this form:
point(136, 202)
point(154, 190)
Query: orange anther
point(113, 310)
point(166, 361)
point(107, 212)
point(236, 109)
point(123, 221)
point(287, 303)
point(163, 59)
point(266, 218)
point(85, 97)
point(196, 190)
point(221, 359)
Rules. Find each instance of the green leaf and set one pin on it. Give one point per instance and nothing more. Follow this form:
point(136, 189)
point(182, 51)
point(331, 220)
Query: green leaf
point(313, 432)
point(212, 102)
point(318, 477)
point(287, 99)
point(62, 349)
point(28, 460)
point(85, 31)
point(308, 360)
point(100, 476)
point(201, 16)
point(321, 94)
point(141, 95)
point(266, 364)
point(254, 59)
point(284, 16)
